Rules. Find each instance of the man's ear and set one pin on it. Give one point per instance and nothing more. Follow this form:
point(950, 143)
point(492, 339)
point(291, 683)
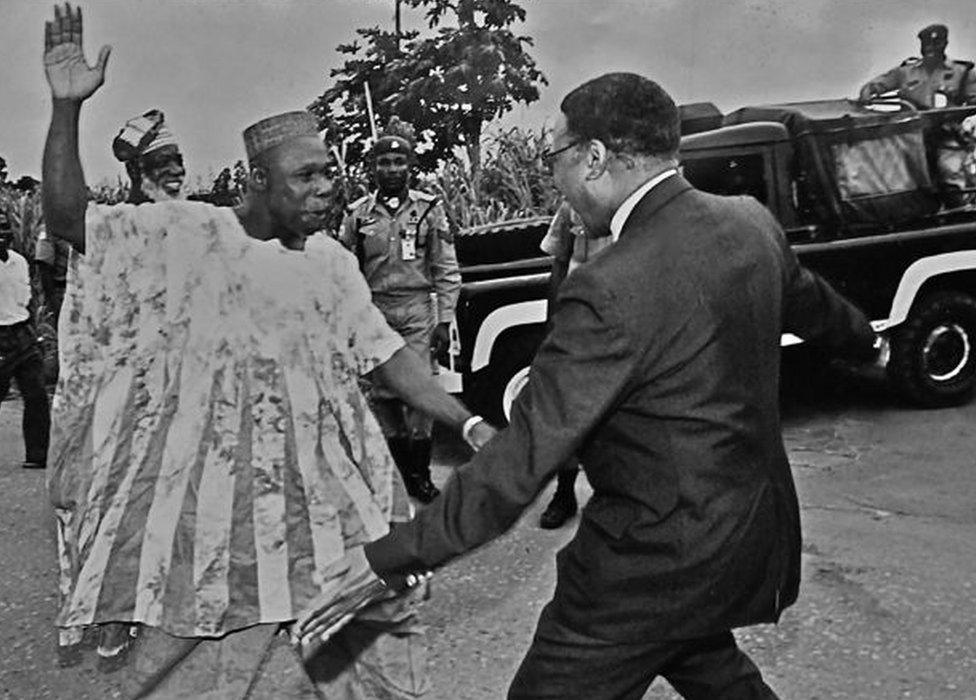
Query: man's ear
point(597, 158)
point(258, 181)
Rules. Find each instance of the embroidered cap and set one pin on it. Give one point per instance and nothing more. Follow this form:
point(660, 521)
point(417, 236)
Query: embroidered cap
point(270, 132)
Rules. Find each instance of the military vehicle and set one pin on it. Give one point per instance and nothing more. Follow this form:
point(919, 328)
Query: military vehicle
point(855, 190)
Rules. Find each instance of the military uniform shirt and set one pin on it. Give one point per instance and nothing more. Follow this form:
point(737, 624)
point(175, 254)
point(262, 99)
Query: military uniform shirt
point(955, 79)
point(406, 253)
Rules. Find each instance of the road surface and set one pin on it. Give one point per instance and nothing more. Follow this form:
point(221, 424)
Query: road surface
point(886, 608)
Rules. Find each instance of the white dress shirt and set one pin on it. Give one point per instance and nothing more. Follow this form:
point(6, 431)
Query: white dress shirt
point(15, 289)
point(623, 211)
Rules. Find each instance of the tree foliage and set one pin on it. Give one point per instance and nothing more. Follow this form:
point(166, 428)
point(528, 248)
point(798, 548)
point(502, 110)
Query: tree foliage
point(448, 84)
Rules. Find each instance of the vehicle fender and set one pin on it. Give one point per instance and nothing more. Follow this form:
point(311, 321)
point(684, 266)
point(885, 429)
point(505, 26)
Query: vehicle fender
point(917, 274)
point(500, 320)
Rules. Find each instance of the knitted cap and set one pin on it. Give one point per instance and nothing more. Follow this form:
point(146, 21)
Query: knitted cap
point(270, 132)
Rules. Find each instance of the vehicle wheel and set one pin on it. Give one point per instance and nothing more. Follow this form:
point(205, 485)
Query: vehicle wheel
point(506, 375)
point(933, 354)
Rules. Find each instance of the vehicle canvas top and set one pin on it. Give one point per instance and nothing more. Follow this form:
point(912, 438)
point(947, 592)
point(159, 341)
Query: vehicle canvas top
point(855, 166)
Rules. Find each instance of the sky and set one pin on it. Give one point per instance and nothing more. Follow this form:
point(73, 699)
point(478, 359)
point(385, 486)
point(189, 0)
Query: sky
point(215, 66)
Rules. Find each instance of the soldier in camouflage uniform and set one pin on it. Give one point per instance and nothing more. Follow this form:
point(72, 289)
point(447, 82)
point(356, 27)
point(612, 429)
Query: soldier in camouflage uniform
point(931, 82)
point(406, 252)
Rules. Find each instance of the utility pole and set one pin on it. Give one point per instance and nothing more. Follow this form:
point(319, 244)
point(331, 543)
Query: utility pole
point(396, 17)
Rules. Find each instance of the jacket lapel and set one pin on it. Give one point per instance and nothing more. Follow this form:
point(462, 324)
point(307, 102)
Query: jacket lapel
point(658, 197)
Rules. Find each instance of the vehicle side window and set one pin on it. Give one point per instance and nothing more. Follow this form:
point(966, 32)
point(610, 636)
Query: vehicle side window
point(729, 174)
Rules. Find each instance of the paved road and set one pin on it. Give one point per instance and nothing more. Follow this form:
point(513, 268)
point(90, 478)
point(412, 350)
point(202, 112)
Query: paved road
point(886, 608)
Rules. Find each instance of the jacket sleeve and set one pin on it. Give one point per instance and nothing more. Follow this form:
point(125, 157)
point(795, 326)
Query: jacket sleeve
point(812, 309)
point(444, 271)
point(581, 370)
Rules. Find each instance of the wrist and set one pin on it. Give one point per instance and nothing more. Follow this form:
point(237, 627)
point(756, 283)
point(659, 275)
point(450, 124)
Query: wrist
point(469, 425)
point(66, 103)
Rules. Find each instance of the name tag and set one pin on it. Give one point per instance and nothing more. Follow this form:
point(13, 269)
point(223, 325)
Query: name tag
point(408, 247)
point(940, 100)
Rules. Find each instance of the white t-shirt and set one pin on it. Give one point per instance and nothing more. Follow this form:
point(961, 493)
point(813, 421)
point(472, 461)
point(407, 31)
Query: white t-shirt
point(15, 290)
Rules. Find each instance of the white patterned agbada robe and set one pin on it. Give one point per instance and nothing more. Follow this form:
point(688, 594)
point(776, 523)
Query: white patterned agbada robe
point(212, 453)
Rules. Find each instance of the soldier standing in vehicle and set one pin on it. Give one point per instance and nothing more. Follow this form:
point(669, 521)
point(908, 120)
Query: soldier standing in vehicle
point(931, 82)
point(406, 253)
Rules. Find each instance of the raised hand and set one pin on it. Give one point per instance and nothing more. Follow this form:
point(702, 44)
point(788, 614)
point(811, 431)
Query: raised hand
point(68, 73)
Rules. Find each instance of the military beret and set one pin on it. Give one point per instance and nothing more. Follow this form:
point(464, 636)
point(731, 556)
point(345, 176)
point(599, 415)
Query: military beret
point(934, 32)
point(392, 144)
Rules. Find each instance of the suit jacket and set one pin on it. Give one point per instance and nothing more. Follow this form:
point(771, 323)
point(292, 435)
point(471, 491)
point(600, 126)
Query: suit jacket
point(661, 370)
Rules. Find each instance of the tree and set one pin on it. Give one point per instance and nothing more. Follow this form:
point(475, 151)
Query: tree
point(3, 170)
point(26, 184)
point(447, 85)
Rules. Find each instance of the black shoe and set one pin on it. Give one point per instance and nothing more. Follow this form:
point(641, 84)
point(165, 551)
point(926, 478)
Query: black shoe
point(34, 465)
point(423, 490)
point(558, 512)
point(419, 484)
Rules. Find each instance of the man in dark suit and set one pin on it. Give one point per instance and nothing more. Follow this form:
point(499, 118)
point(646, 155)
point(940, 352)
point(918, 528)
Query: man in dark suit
point(661, 372)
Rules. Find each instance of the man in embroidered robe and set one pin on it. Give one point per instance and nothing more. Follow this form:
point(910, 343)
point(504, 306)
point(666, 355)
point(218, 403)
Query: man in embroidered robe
point(215, 468)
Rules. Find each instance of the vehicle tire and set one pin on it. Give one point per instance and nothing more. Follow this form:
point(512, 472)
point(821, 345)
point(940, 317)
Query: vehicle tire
point(933, 354)
point(505, 376)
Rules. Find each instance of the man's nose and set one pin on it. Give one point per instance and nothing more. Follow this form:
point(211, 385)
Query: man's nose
point(323, 186)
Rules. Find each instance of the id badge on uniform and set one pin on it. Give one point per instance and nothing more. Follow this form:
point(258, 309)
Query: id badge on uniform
point(940, 100)
point(408, 246)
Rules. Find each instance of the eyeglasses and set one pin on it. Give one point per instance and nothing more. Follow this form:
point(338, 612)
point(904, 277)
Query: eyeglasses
point(549, 157)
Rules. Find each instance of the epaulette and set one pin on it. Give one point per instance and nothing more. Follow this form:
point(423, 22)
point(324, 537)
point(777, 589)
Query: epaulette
point(968, 65)
point(911, 61)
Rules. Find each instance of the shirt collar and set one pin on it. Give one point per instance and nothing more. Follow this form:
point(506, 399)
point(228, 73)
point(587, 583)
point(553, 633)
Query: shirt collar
point(376, 200)
point(624, 210)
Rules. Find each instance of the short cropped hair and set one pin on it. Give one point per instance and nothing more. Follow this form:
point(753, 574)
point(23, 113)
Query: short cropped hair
point(627, 112)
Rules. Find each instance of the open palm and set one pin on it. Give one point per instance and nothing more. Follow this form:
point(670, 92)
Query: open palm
point(68, 73)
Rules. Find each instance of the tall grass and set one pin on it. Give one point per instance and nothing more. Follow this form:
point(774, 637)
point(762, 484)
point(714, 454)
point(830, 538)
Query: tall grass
point(513, 182)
